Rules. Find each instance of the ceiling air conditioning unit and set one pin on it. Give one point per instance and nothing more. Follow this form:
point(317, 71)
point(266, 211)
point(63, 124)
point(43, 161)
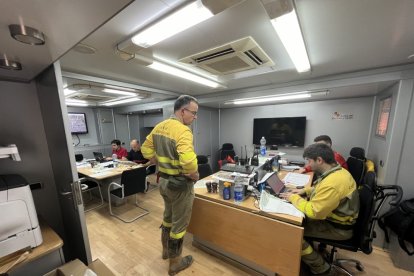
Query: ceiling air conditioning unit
point(240, 55)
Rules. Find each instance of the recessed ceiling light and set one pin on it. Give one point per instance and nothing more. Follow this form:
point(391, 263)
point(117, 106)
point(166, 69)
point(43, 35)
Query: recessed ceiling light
point(27, 34)
point(84, 49)
point(10, 64)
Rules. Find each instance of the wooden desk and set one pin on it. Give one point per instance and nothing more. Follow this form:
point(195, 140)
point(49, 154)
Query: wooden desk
point(52, 244)
point(107, 172)
point(256, 241)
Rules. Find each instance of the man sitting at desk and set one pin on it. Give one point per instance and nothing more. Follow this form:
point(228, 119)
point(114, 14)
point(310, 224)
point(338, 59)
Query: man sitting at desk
point(325, 139)
point(135, 154)
point(331, 206)
point(117, 149)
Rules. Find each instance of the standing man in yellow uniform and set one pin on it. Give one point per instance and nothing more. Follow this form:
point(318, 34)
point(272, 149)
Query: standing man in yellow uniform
point(331, 206)
point(170, 144)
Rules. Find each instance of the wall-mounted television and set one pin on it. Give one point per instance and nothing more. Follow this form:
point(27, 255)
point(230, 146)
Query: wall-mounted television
point(77, 123)
point(287, 131)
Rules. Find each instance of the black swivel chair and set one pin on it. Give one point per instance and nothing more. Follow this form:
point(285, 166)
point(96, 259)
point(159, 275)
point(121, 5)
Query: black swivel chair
point(372, 198)
point(227, 150)
point(356, 164)
point(204, 168)
point(78, 157)
point(132, 182)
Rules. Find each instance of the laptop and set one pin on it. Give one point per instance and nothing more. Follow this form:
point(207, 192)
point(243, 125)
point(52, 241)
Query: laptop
point(276, 184)
point(99, 157)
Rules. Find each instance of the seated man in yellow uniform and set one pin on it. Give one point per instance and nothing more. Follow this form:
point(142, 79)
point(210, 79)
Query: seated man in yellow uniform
point(331, 206)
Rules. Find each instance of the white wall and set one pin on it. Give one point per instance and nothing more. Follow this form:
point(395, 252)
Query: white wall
point(236, 124)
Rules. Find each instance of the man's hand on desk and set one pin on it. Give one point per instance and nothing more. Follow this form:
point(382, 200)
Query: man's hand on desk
point(193, 176)
point(291, 192)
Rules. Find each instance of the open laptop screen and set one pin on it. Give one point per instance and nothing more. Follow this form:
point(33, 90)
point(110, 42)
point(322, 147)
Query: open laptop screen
point(275, 183)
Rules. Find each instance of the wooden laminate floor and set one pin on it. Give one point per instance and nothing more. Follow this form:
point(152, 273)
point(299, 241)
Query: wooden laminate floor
point(135, 248)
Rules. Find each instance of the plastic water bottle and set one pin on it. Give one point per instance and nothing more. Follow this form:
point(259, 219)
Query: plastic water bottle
point(238, 189)
point(263, 146)
point(115, 160)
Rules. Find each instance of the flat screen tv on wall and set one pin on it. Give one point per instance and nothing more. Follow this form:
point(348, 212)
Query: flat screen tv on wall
point(77, 123)
point(288, 131)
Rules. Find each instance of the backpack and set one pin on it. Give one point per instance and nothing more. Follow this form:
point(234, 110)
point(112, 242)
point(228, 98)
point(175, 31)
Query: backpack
point(400, 220)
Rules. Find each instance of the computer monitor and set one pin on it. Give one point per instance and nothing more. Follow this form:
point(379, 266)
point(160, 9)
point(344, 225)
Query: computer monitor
point(98, 156)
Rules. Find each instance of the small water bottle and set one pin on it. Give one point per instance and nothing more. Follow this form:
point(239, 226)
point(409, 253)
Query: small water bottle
point(238, 189)
point(115, 160)
point(263, 146)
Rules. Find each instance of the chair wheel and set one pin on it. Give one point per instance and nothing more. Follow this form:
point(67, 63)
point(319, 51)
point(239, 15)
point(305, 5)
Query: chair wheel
point(359, 267)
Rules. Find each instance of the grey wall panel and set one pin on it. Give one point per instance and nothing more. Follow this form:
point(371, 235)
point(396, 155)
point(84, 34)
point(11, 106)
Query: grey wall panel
point(150, 120)
point(106, 125)
point(90, 138)
point(121, 128)
point(134, 126)
point(21, 123)
point(405, 174)
point(236, 124)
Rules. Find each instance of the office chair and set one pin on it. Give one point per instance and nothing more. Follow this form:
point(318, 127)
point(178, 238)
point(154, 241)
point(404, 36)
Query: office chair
point(372, 198)
point(78, 157)
point(227, 150)
point(204, 168)
point(132, 182)
point(356, 164)
point(87, 185)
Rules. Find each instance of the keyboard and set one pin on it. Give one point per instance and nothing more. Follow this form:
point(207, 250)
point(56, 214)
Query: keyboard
point(237, 168)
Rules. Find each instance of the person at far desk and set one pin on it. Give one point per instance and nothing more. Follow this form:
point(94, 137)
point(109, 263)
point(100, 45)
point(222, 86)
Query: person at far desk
point(170, 144)
point(325, 139)
point(135, 154)
point(118, 149)
point(331, 206)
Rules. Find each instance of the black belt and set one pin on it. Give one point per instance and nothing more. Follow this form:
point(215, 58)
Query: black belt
point(341, 226)
point(165, 175)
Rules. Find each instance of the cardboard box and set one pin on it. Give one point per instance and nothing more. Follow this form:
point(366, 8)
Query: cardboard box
point(77, 268)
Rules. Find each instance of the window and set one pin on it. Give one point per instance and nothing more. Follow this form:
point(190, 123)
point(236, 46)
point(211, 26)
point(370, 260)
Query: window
point(383, 117)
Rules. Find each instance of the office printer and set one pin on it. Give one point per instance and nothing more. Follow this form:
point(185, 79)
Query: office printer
point(19, 227)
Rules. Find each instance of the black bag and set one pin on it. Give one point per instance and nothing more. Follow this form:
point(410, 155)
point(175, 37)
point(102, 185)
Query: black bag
point(400, 220)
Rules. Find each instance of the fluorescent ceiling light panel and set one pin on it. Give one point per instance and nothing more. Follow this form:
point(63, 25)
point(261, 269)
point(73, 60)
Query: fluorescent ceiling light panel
point(118, 92)
point(121, 101)
point(288, 30)
point(178, 21)
point(182, 74)
point(272, 99)
point(68, 91)
point(76, 102)
point(119, 88)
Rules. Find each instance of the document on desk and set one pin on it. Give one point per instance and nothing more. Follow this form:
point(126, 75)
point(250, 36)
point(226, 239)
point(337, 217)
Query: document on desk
point(200, 184)
point(296, 179)
point(272, 204)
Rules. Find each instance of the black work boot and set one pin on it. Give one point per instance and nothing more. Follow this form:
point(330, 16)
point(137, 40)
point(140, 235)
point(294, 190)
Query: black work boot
point(177, 263)
point(165, 235)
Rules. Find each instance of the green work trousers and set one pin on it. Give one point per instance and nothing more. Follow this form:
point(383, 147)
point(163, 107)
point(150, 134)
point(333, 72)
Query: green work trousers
point(178, 205)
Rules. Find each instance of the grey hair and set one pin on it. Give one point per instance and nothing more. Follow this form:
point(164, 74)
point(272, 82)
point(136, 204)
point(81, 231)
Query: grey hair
point(183, 100)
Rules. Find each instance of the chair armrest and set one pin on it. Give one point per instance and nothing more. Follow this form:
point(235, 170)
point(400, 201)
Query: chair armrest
point(397, 193)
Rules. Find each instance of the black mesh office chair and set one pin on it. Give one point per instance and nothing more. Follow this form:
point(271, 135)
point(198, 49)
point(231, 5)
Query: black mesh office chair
point(372, 198)
point(204, 168)
point(356, 164)
point(132, 182)
point(88, 185)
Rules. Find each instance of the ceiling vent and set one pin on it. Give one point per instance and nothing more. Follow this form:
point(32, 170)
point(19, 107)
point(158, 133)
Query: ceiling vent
point(240, 55)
